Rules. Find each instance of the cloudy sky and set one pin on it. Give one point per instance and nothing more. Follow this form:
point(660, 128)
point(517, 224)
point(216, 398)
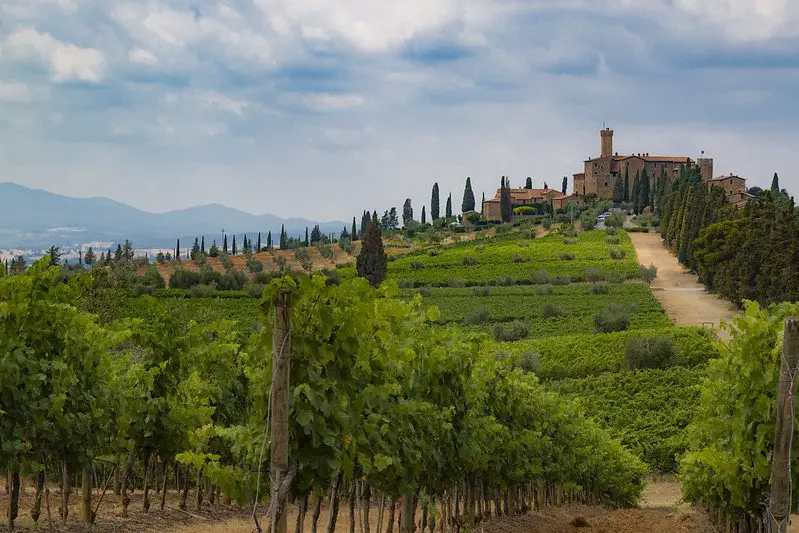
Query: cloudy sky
point(323, 108)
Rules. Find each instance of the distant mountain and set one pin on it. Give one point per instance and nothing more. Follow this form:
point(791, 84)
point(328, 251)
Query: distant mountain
point(36, 219)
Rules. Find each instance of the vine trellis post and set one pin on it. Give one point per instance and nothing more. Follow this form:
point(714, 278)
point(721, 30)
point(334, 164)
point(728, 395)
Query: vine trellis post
point(281, 358)
point(778, 512)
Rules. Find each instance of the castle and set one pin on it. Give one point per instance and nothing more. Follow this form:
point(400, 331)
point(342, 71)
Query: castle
point(600, 173)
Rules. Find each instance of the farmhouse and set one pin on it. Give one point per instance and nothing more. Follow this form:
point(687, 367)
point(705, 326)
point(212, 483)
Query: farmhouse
point(529, 197)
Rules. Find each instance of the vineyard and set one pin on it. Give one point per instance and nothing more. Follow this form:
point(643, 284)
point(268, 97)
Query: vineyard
point(461, 388)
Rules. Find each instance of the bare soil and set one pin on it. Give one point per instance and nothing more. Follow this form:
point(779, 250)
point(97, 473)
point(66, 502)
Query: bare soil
point(686, 301)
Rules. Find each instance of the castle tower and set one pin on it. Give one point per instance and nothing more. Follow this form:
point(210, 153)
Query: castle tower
point(705, 167)
point(607, 142)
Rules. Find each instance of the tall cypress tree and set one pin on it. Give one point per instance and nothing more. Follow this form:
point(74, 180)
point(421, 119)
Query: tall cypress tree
point(505, 207)
point(283, 237)
point(618, 191)
point(354, 235)
point(448, 210)
point(224, 245)
point(424, 216)
point(307, 242)
point(258, 245)
point(527, 185)
point(434, 205)
point(775, 184)
point(468, 197)
point(177, 250)
point(635, 194)
point(407, 212)
point(627, 183)
point(372, 260)
point(643, 190)
point(202, 245)
point(269, 240)
point(565, 185)
point(234, 245)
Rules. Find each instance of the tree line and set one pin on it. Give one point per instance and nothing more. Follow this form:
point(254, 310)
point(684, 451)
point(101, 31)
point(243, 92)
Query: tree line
point(748, 253)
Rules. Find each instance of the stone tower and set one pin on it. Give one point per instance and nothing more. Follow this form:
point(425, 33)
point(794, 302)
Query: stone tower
point(607, 142)
point(705, 167)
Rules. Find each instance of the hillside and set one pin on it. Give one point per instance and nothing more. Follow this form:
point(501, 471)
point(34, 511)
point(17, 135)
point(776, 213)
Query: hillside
point(36, 219)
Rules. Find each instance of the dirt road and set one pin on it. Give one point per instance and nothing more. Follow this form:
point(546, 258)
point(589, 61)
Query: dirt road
point(685, 300)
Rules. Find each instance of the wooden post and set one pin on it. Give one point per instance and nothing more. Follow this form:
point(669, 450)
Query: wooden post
point(780, 504)
point(86, 495)
point(281, 353)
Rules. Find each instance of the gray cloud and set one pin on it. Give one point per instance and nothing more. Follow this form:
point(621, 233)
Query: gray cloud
point(326, 109)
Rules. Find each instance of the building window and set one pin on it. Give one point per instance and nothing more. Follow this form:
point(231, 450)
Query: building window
point(606, 184)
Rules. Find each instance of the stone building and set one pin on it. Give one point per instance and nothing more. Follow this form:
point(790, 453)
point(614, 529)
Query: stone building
point(735, 188)
point(600, 173)
point(521, 197)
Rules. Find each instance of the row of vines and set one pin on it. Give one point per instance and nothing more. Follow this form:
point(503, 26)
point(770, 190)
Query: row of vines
point(379, 397)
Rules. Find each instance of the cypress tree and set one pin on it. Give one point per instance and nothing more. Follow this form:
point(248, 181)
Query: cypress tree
point(424, 216)
point(434, 206)
point(564, 185)
point(528, 185)
point(89, 258)
point(618, 191)
point(224, 245)
point(195, 249)
point(177, 250)
point(643, 190)
point(407, 212)
point(627, 183)
point(234, 245)
point(258, 245)
point(372, 260)
point(775, 184)
point(635, 194)
point(245, 246)
point(307, 242)
point(505, 207)
point(202, 245)
point(366, 218)
point(283, 237)
point(269, 240)
point(468, 197)
point(354, 235)
point(448, 210)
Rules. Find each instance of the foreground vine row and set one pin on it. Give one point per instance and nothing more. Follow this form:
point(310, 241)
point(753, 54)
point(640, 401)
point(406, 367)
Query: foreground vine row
point(378, 396)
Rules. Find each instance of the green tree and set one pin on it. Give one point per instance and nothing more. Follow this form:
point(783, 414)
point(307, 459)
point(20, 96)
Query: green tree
point(202, 245)
point(283, 237)
point(468, 197)
point(307, 240)
point(54, 256)
point(424, 215)
point(224, 245)
point(195, 250)
point(618, 191)
point(627, 183)
point(636, 194)
point(234, 250)
point(269, 240)
point(316, 234)
point(643, 191)
point(119, 255)
point(128, 251)
point(448, 210)
point(505, 207)
point(258, 243)
point(434, 205)
point(407, 213)
point(565, 185)
point(372, 260)
point(775, 184)
point(354, 230)
point(528, 184)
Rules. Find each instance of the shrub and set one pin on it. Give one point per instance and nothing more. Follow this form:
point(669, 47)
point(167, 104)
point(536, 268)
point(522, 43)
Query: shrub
point(655, 221)
point(540, 277)
point(481, 291)
point(655, 351)
point(505, 281)
point(503, 228)
point(254, 266)
point(600, 289)
point(547, 223)
point(521, 259)
point(617, 253)
point(301, 253)
point(202, 291)
point(614, 277)
point(569, 240)
point(614, 317)
point(515, 331)
point(281, 261)
point(325, 250)
point(469, 261)
point(142, 290)
point(390, 258)
point(562, 218)
point(254, 289)
point(637, 229)
point(523, 244)
point(567, 257)
point(480, 248)
point(611, 231)
point(417, 265)
point(612, 239)
point(232, 280)
point(594, 274)
point(151, 278)
point(616, 220)
point(333, 277)
point(183, 279)
point(405, 283)
point(456, 283)
point(648, 274)
point(529, 234)
point(435, 237)
point(551, 310)
point(561, 279)
point(544, 290)
point(346, 246)
point(569, 231)
point(525, 210)
point(434, 252)
point(425, 291)
point(473, 217)
point(226, 261)
point(530, 361)
point(480, 316)
point(588, 221)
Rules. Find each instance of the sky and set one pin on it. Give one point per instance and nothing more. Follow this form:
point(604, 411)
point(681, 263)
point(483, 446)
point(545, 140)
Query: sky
point(323, 109)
